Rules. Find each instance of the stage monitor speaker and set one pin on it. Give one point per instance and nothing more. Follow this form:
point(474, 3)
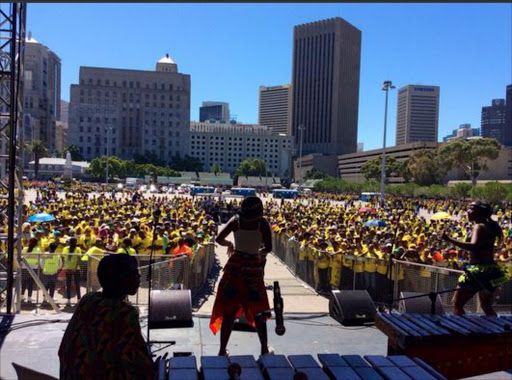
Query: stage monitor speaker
point(241, 324)
point(171, 308)
point(420, 305)
point(352, 307)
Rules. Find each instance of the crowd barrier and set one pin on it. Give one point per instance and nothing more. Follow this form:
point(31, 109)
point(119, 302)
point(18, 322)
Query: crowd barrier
point(378, 276)
point(48, 285)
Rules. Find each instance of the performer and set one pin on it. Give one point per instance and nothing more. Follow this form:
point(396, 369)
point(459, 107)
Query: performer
point(242, 288)
point(103, 340)
point(482, 274)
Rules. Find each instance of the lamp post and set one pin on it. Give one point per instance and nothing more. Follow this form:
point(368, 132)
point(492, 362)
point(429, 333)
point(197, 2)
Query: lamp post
point(301, 131)
point(106, 166)
point(386, 86)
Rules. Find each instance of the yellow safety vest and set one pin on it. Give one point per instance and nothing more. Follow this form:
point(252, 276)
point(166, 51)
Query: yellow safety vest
point(71, 261)
point(128, 250)
point(32, 257)
point(51, 264)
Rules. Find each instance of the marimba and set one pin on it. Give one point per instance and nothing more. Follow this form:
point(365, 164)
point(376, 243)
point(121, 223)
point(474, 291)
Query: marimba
point(457, 346)
point(280, 367)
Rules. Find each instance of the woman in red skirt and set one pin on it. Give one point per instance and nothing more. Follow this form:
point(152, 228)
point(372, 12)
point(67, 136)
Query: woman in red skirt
point(242, 288)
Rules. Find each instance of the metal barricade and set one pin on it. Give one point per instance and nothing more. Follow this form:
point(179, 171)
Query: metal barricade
point(384, 281)
point(75, 277)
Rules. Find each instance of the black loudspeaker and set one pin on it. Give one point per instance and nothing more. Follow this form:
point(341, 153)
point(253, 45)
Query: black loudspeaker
point(352, 307)
point(420, 305)
point(171, 308)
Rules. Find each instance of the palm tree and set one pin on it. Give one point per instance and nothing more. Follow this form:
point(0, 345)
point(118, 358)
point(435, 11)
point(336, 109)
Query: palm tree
point(39, 150)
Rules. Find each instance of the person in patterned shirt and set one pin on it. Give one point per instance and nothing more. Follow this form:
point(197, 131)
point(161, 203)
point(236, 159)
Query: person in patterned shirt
point(103, 340)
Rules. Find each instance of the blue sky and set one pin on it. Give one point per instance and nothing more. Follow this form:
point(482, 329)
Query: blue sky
point(231, 49)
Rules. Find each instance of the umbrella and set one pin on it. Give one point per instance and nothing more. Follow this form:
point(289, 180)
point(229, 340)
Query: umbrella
point(41, 217)
point(441, 215)
point(375, 223)
point(363, 210)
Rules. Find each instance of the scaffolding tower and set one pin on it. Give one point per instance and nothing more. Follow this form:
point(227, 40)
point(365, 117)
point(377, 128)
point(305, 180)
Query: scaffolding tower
point(12, 56)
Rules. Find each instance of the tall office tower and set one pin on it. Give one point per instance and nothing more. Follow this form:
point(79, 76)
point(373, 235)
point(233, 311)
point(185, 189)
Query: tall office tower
point(508, 116)
point(274, 108)
point(494, 122)
point(64, 111)
point(41, 93)
point(417, 116)
point(325, 85)
point(131, 111)
point(214, 110)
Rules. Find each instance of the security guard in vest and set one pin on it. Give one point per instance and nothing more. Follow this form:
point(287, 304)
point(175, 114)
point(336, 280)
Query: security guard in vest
point(51, 264)
point(31, 254)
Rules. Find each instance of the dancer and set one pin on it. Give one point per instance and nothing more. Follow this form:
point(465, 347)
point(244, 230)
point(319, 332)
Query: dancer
point(242, 288)
point(482, 275)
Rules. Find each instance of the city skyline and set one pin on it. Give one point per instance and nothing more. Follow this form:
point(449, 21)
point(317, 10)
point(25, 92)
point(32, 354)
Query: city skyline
point(444, 49)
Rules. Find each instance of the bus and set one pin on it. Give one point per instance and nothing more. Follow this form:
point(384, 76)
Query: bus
point(368, 197)
point(198, 190)
point(243, 191)
point(286, 193)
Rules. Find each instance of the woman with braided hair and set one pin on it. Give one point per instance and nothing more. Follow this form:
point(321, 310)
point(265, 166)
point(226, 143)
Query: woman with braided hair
point(482, 275)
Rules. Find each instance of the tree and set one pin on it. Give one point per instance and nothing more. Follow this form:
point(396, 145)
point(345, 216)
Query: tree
point(216, 169)
point(116, 167)
point(252, 167)
point(461, 190)
point(75, 153)
point(372, 169)
point(471, 156)
point(426, 168)
point(39, 150)
point(316, 174)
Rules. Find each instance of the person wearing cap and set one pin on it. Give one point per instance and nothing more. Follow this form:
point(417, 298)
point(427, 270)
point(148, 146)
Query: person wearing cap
point(482, 275)
point(103, 340)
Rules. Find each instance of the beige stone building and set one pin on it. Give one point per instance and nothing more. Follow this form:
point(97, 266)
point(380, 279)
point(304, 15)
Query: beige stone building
point(128, 112)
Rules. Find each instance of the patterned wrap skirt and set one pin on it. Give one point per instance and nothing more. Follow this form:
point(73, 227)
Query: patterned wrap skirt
point(483, 276)
point(241, 290)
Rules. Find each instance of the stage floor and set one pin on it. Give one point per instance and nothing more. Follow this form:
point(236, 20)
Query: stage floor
point(36, 345)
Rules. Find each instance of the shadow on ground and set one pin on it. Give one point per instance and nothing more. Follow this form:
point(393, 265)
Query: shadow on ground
point(201, 296)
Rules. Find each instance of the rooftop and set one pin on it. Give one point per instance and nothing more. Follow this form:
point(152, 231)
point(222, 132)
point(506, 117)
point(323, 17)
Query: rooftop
point(166, 59)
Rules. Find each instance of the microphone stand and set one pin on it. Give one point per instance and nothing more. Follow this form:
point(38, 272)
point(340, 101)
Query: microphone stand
point(433, 295)
point(156, 215)
point(390, 266)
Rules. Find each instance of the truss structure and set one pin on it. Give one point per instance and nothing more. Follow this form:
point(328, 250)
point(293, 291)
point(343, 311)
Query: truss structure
point(12, 55)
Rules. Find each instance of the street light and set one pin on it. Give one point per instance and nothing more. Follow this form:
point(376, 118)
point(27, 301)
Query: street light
point(386, 86)
point(301, 131)
point(106, 166)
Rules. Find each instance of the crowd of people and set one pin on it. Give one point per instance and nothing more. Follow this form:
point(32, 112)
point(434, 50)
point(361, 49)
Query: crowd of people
point(88, 225)
point(331, 233)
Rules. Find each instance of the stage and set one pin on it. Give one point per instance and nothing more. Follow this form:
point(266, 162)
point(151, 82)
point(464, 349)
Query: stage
point(36, 345)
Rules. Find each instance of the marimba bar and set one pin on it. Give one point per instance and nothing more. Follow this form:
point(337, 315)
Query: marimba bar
point(457, 346)
point(280, 367)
